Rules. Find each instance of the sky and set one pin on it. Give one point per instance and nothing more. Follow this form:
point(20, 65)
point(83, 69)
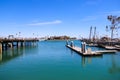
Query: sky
point(30, 18)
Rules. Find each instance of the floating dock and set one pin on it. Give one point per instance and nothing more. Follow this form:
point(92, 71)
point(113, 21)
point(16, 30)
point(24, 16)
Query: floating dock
point(89, 52)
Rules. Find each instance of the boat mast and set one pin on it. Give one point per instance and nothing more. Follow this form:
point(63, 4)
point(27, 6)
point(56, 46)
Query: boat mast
point(90, 33)
point(94, 33)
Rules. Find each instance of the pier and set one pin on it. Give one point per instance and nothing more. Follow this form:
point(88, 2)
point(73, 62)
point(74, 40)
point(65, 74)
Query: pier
point(6, 43)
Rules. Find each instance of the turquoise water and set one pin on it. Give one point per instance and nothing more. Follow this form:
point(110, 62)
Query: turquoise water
point(51, 60)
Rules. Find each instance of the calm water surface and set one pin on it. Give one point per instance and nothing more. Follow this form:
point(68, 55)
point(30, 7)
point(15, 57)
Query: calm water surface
point(51, 60)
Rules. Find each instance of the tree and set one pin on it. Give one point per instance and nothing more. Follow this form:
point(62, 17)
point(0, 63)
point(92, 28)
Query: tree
point(114, 23)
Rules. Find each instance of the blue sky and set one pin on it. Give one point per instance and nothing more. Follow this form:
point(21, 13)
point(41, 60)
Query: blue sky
point(56, 17)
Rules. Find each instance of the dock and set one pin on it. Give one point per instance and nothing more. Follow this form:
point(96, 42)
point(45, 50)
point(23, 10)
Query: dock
point(89, 52)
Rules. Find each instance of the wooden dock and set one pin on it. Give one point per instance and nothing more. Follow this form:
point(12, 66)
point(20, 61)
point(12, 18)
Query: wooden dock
point(89, 52)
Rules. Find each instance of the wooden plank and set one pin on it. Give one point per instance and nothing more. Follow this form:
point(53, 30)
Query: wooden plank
point(105, 51)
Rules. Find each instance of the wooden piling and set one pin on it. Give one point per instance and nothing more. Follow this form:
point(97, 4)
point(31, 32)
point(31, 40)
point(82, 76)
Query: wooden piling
point(0, 48)
point(10, 45)
point(6, 46)
point(22, 44)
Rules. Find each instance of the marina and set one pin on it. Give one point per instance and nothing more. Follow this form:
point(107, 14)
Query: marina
point(59, 40)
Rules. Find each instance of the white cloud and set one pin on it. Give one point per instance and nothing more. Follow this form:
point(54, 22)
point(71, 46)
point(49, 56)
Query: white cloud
point(46, 23)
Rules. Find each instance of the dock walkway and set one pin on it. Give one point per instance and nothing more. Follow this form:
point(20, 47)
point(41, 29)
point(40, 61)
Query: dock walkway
point(89, 52)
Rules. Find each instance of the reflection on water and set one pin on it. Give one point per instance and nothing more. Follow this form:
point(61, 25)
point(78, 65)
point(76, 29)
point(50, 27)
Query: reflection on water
point(10, 54)
point(52, 60)
point(0, 57)
point(13, 53)
point(85, 59)
point(114, 67)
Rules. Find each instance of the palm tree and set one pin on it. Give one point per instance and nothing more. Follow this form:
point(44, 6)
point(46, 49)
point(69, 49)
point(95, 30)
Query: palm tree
point(114, 23)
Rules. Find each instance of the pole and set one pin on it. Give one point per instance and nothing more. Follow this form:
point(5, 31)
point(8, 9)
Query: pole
point(94, 34)
point(112, 34)
point(90, 33)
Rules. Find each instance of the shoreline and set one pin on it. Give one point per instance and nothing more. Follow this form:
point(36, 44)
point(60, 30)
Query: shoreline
point(60, 40)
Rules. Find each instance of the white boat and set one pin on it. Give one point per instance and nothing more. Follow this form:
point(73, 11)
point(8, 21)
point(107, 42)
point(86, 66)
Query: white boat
point(110, 47)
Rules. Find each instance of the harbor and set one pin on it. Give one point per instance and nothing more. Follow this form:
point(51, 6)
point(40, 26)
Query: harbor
point(59, 39)
point(60, 58)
